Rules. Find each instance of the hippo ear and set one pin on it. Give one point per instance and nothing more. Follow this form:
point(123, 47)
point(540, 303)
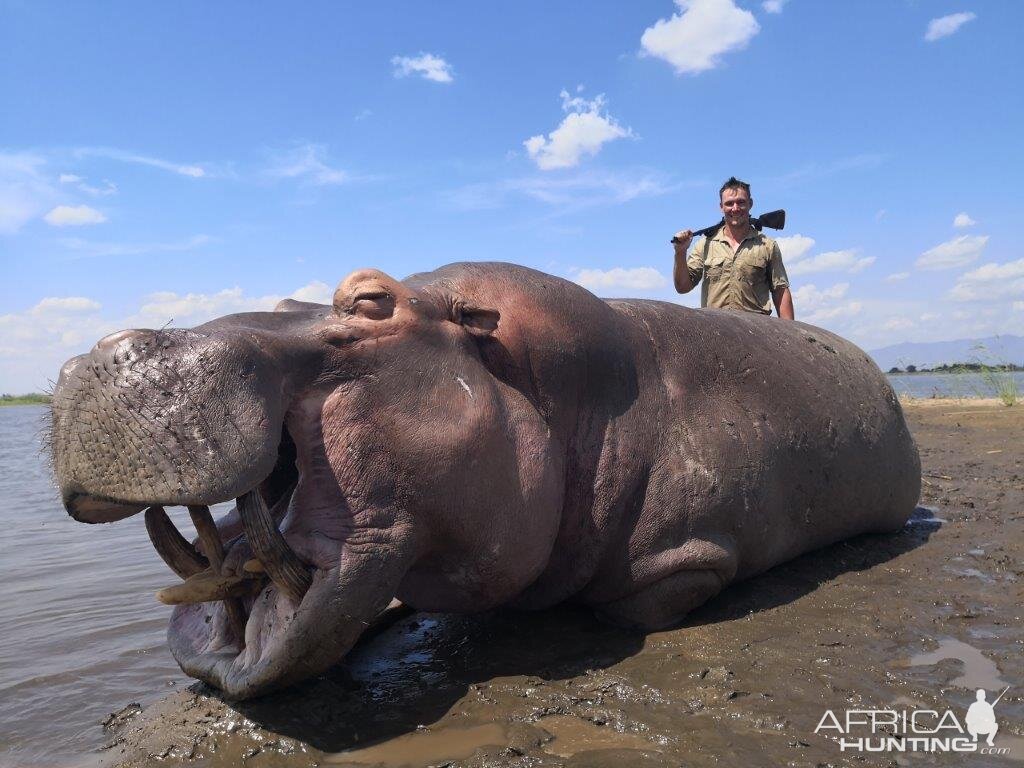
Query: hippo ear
point(478, 320)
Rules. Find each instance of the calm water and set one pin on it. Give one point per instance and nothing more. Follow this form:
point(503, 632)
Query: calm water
point(82, 634)
point(951, 384)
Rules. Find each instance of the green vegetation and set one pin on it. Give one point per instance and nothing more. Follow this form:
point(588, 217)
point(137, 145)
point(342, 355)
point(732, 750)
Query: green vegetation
point(1003, 383)
point(975, 367)
point(33, 398)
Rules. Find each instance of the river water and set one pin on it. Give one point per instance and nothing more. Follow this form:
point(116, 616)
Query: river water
point(82, 634)
point(958, 385)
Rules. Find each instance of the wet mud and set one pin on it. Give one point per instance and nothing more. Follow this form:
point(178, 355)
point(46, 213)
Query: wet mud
point(918, 619)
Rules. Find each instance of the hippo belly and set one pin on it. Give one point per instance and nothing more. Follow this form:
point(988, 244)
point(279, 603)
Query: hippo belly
point(752, 441)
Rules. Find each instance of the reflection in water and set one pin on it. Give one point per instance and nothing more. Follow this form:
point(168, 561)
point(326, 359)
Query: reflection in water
point(979, 670)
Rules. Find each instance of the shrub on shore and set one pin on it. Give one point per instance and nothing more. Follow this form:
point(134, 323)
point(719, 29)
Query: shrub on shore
point(32, 398)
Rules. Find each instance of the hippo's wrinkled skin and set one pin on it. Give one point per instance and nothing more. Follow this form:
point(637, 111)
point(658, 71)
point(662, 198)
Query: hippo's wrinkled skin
point(482, 435)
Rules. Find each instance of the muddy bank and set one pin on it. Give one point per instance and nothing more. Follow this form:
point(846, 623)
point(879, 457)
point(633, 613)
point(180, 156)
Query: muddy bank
point(918, 619)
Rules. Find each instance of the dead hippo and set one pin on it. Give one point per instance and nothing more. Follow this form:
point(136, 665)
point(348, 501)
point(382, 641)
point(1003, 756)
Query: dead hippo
point(480, 435)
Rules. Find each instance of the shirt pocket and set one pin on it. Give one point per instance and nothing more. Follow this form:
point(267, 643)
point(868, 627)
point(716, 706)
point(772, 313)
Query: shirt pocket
point(753, 269)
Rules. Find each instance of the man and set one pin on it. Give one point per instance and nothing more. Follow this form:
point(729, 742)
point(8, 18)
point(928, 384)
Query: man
point(742, 268)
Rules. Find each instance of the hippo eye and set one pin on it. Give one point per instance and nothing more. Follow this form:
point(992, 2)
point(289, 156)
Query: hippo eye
point(373, 305)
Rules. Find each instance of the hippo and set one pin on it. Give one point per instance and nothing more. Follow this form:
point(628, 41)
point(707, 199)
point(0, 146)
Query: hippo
point(478, 436)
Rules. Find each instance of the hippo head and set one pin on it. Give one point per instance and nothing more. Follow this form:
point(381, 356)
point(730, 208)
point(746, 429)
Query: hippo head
point(387, 446)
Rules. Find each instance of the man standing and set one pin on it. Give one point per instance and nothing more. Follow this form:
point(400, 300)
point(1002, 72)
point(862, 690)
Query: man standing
point(742, 268)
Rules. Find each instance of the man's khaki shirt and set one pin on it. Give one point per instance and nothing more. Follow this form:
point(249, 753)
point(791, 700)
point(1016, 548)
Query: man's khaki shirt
point(741, 280)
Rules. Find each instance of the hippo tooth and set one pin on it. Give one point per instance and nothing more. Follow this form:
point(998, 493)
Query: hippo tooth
point(204, 587)
point(254, 566)
point(180, 556)
point(213, 547)
point(283, 566)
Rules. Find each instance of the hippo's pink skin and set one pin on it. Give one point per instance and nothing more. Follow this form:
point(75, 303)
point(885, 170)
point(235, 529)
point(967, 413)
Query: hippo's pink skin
point(482, 435)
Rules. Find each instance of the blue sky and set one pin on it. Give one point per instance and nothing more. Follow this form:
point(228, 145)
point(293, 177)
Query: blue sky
point(173, 162)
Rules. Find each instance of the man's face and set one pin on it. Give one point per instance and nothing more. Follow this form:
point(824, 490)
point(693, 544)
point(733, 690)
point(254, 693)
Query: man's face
point(735, 205)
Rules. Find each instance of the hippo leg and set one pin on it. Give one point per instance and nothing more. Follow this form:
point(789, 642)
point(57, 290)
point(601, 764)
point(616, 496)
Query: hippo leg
point(677, 581)
point(663, 603)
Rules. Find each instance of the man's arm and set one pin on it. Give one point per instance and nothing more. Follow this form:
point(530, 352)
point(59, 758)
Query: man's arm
point(781, 294)
point(783, 299)
point(680, 271)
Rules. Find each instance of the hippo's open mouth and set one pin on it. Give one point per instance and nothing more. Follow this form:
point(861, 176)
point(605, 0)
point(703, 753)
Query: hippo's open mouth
point(246, 595)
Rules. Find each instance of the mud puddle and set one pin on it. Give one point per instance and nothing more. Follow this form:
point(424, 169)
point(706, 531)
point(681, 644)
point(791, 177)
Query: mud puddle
point(978, 670)
point(878, 622)
point(424, 747)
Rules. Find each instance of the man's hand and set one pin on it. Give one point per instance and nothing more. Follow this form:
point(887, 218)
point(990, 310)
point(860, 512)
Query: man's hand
point(680, 274)
point(681, 241)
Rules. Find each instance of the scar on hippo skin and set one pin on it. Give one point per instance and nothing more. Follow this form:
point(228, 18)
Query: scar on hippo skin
point(477, 436)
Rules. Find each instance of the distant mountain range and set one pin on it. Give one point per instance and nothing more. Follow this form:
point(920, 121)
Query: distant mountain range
point(993, 350)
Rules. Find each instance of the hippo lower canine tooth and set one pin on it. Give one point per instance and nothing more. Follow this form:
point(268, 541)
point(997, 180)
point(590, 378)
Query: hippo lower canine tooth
point(179, 555)
point(281, 563)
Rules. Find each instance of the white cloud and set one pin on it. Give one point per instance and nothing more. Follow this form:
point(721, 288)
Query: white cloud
point(947, 25)
point(619, 278)
point(308, 163)
point(898, 323)
point(35, 342)
point(832, 261)
point(25, 191)
point(567, 193)
point(773, 6)
point(963, 220)
point(93, 248)
point(816, 306)
point(53, 305)
point(73, 216)
point(694, 40)
point(108, 187)
point(991, 282)
point(193, 171)
point(195, 308)
point(895, 277)
point(793, 247)
point(957, 252)
point(316, 291)
point(583, 131)
point(426, 65)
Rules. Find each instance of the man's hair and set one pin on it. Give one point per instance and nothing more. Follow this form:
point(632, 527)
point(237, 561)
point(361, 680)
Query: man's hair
point(733, 183)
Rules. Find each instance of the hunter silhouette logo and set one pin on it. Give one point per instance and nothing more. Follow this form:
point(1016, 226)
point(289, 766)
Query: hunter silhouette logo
point(916, 730)
point(981, 717)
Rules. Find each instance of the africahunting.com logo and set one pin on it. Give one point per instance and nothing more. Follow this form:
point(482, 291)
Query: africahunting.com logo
point(916, 730)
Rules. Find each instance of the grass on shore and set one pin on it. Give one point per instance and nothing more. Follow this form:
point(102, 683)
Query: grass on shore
point(33, 398)
point(984, 376)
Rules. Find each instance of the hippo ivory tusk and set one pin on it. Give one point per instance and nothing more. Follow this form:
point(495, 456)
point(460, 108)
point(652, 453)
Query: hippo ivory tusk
point(213, 547)
point(204, 587)
point(254, 566)
point(180, 556)
point(283, 566)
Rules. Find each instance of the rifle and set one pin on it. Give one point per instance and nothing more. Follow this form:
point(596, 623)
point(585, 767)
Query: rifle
point(772, 220)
